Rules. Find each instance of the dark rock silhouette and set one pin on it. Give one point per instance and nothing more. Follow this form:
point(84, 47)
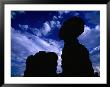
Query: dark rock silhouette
point(75, 57)
point(42, 64)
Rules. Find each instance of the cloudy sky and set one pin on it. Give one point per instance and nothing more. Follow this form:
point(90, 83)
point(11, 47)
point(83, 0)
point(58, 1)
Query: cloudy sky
point(33, 31)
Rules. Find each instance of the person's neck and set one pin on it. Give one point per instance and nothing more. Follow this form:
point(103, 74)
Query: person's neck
point(72, 41)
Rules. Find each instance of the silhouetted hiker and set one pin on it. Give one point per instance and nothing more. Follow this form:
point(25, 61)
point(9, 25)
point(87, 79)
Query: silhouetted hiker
point(75, 57)
point(41, 64)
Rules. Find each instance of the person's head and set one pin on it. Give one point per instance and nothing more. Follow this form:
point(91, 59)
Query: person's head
point(71, 28)
point(52, 58)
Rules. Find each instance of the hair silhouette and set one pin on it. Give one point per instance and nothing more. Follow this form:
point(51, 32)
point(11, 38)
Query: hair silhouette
point(75, 57)
point(41, 64)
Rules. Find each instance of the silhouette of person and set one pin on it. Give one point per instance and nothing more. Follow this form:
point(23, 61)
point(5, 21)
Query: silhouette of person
point(51, 63)
point(41, 64)
point(75, 57)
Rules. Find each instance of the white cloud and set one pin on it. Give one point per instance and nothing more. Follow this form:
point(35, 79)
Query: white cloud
point(24, 27)
point(95, 55)
point(46, 28)
point(52, 23)
point(58, 24)
point(95, 49)
point(97, 69)
point(55, 24)
point(55, 17)
point(33, 43)
point(24, 41)
point(36, 31)
point(90, 37)
point(61, 13)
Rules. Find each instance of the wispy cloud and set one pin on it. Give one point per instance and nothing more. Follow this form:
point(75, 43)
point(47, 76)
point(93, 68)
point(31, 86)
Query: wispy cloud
point(62, 14)
point(55, 24)
point(95, 58)
point(46, 28)
point(24, 27)
point(24, 45)
point(90, 37)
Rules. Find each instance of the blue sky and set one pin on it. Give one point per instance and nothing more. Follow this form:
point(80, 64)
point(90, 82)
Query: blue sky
point(33, 31)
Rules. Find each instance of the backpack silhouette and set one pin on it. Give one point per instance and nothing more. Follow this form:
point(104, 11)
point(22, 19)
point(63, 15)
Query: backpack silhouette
point(42, 64)
point(75, 56)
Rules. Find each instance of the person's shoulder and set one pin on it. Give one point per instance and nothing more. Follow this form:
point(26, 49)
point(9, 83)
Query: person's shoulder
point(29, 58)
point(83, 47)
